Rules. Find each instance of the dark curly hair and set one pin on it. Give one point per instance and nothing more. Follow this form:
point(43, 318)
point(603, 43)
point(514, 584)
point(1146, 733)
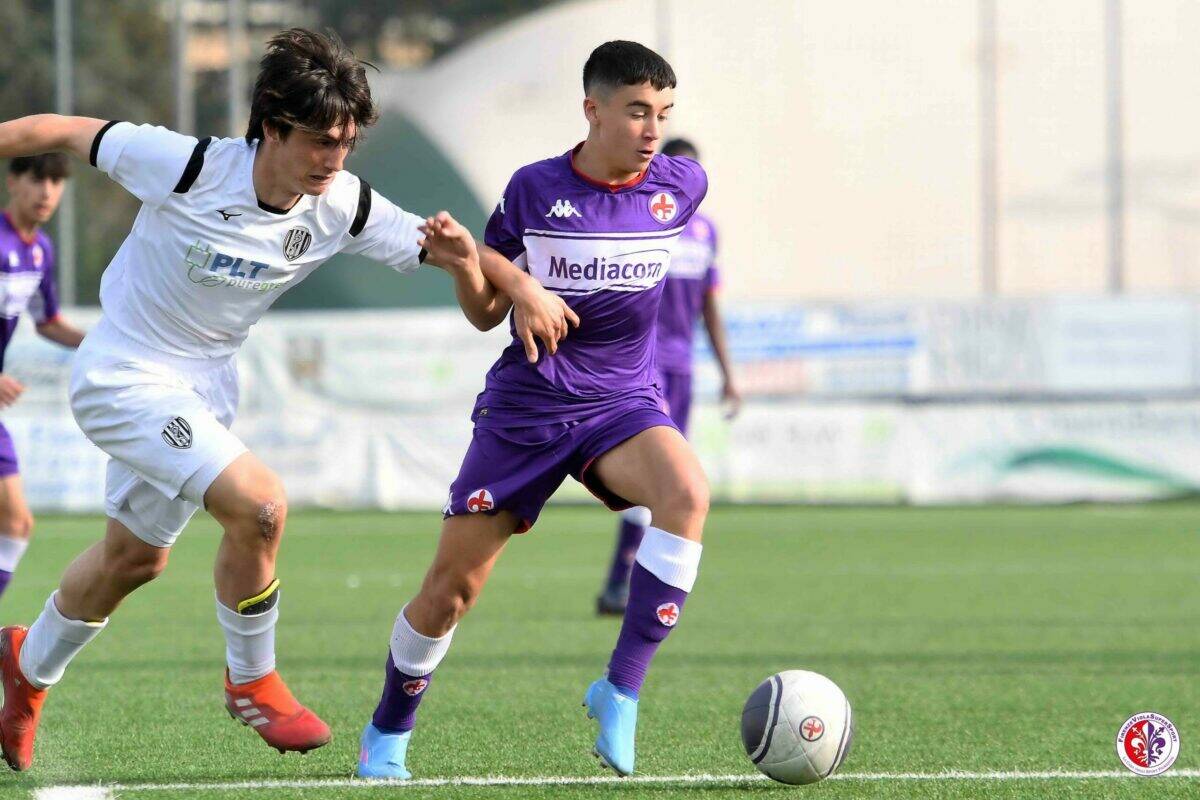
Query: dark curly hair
point(310, 81)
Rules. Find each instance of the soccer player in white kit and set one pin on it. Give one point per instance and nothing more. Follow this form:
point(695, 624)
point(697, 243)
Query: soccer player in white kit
point(226, 225)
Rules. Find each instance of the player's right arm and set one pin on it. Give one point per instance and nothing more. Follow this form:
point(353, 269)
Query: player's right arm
point(10, 390)
point(46, 133)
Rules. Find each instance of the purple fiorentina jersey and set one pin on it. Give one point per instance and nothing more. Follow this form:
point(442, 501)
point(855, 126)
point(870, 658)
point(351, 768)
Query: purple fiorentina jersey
point(606, 251)
point(693, 276)
point(26, 280)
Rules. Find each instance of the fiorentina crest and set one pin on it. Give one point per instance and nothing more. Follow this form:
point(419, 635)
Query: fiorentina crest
point(1148, 743)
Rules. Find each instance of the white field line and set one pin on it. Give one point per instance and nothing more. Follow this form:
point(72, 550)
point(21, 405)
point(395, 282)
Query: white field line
point(102, 792)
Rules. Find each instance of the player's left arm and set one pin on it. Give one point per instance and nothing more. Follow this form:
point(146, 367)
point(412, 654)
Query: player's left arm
point(730, 396)
point(60, 331)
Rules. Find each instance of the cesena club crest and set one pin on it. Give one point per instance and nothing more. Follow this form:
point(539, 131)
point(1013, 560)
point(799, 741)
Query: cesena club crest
point(296, 242)
point(178, 433)
point(663, 207)
point(1148, 743)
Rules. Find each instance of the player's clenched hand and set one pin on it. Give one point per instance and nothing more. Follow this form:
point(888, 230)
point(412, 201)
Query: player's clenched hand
point(10, 390)
point(447, 244)
point(539, 314)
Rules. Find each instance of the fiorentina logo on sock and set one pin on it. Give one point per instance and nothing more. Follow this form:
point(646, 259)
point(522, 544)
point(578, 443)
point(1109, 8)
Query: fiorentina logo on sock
point(414, 687)
point(668, 614)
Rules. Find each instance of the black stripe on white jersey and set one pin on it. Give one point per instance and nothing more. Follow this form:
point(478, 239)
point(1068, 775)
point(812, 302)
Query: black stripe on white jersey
point(194, 165)
point(96, 141)
point(364, 208)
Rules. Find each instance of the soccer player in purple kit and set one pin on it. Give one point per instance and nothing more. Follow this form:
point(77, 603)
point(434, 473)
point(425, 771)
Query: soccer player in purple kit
point(597, 225)
point(690, 294)
point(27, 267)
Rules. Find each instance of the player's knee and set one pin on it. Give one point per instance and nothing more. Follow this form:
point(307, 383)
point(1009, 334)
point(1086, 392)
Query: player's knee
point(135, 564)
point(260, 516)
point(688, 498)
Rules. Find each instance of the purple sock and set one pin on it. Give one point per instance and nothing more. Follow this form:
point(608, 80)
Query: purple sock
point(653, 610)
point(5, 577)
point(397, 709)
point(628, 538)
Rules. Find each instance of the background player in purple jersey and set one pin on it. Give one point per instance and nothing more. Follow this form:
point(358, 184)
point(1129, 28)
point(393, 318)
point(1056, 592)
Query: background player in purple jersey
point(690, 294)
point(596, 225)
point(27, 265)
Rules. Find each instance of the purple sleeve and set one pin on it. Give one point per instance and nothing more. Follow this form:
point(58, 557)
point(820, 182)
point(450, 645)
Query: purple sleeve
point(503, 233)
point(43, 305)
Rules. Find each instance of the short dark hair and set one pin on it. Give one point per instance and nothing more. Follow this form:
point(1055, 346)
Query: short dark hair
point(681, 147)
point(47, 165)
point(310, 81)
point(621, 63)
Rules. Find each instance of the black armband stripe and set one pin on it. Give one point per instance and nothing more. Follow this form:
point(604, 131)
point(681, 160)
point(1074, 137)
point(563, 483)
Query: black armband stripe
point(194, 165)
point(421, 255)
point(96, 141)
point(364, 208)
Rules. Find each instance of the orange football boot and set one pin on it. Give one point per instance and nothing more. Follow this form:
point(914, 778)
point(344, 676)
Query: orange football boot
point(267, 706)
point(22, 702)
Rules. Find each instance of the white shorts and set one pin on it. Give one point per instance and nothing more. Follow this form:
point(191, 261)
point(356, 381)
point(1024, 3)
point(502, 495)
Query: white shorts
point(163, 420)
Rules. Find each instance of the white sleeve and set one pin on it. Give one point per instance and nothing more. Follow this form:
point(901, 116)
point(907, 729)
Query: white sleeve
point(384, 232)
point(149, 161)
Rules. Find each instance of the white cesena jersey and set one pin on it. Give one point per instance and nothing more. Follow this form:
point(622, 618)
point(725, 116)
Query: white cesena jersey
point(205, 258)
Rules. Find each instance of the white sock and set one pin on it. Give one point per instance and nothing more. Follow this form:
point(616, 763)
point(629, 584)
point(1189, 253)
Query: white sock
point(52, 641)
point(638, 515)
point(672, 559)
point(11, 550)
point(413, 653)
point(249, 642)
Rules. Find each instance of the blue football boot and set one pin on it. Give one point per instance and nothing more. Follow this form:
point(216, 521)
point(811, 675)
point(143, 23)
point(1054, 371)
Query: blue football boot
point(382, 754)
point(617, 715)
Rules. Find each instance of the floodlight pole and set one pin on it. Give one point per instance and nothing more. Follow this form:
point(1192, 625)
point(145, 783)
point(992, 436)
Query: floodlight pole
point(237, 68)
point(1115, 162)
point(185, 106)
point(989, 247)
point(64, 103)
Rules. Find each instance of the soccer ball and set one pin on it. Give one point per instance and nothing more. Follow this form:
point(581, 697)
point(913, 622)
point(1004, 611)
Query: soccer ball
point(796, 727)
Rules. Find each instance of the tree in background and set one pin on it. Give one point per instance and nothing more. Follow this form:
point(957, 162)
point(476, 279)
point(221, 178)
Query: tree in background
point(121, 71)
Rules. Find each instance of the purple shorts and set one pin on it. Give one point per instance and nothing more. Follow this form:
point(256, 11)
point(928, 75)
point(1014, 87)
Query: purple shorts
point(517, 469)
point(8, 454)
point(677, 390)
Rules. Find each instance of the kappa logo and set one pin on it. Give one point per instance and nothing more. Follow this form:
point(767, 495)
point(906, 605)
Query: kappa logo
point(39, 257)
point(480, 500)
point(663, 207)
point(562, 209)
point(296, 242)
point(178, 434)
point(668, 614)
point(415, 687)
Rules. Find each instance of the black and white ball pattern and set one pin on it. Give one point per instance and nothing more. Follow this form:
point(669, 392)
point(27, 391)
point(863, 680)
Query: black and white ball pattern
point(797, 727)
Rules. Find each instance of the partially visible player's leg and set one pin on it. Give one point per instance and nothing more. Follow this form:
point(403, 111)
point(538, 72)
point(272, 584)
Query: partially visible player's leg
point(16, 521)
point(248, 500)
point(467, 551)
point(655, 468)
point(630, 530)
point(34, 660)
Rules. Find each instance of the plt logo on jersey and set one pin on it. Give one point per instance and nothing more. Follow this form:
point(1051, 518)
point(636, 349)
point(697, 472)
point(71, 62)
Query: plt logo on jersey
point(210, 268)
